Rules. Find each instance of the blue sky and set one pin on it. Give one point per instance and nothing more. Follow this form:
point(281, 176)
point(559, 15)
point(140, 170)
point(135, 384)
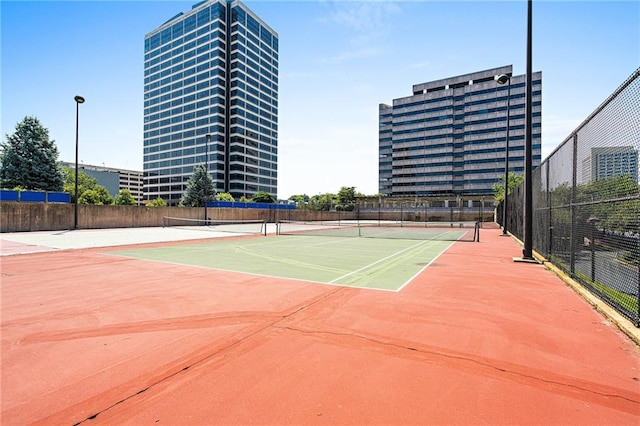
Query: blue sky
point(338, 61)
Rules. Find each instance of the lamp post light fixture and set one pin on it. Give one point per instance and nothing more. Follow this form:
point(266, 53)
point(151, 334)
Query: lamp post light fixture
point(79, 100)
point(506, 79)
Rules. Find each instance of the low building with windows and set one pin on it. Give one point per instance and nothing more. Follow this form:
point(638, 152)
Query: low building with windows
point(608, 162)
point(113, 179)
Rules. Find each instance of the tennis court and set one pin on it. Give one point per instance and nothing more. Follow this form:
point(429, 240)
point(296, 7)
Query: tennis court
point(384, 256)
point(385, 264)
point(112, 335)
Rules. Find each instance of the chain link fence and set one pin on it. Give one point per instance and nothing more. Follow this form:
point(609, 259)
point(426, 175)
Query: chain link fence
point(586, 202)
point(461, 211)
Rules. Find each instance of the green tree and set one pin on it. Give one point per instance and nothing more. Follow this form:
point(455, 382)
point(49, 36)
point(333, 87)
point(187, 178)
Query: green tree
point(199, 189)
point(224, 196)
point(321, 202)
point(85, 183)
point(620, 215)
point(498, 187)
point(158, 202)
point(299, 199)
point(346, 195)
point(346, 198)
point(29, 159)
point(98, 195)
point(263, 197)
point(124, 198)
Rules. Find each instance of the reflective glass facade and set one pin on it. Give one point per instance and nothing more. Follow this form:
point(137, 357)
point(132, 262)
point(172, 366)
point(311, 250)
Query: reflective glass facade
point(212, 70)
point(449, 137)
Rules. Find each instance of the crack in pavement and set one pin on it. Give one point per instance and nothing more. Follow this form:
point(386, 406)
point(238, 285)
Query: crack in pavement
point(519, 371)
point(276, 318)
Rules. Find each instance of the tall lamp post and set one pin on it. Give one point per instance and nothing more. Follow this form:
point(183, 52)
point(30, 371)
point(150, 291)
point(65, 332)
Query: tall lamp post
point(206, 168)
point(527, 251)
point(79, 100)
point(502, 79)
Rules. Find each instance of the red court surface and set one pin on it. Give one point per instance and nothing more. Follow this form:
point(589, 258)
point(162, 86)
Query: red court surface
point(89, 338)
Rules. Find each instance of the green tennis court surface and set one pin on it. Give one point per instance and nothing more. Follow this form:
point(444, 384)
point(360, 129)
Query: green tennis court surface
point(386, 264)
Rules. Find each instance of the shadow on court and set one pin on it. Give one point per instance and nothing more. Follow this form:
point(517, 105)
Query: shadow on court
point(92, 338)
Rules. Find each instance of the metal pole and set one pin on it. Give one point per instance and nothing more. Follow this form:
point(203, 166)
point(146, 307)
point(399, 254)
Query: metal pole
point(79, 100)
point(75, 207)
point(593, 253)
point(206, 169)
point(637, 320)
point(573, 209)
point(506, 163)
point(527, 252)
point(206, 158)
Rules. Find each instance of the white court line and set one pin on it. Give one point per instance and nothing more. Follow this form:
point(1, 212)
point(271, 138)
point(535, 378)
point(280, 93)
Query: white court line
point(379, 260)
point(423, 268)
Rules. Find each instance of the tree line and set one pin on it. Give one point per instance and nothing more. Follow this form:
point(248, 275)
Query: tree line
point(344, 200)
point(30, 162)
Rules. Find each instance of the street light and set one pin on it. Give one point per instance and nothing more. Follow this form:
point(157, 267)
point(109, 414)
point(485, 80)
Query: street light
point(79, 100)
point(206, 168)
point(502, 79)
point(527, 251)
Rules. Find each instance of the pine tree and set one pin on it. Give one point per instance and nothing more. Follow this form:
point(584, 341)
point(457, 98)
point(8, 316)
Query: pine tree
point(29, 158)
point(199, 189)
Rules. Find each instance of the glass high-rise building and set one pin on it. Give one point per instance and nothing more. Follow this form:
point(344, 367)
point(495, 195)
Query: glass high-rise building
point(449, 136)
point(211, 98)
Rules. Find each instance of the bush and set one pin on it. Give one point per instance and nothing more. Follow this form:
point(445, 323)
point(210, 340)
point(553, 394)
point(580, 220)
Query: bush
point(124, 198)
point(158, 202)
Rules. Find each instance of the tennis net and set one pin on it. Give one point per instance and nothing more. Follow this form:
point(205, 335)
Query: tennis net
point(380, 229)
point(232, 226)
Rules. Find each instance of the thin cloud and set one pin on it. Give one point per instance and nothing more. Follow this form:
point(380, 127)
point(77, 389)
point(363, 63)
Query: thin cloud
point(364, 25)
point(363, 17)
point(421, 65)
point(366, 52)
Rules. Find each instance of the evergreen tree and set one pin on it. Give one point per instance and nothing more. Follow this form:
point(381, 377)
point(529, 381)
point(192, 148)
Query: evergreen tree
point(199, 189)
point(29, 158)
